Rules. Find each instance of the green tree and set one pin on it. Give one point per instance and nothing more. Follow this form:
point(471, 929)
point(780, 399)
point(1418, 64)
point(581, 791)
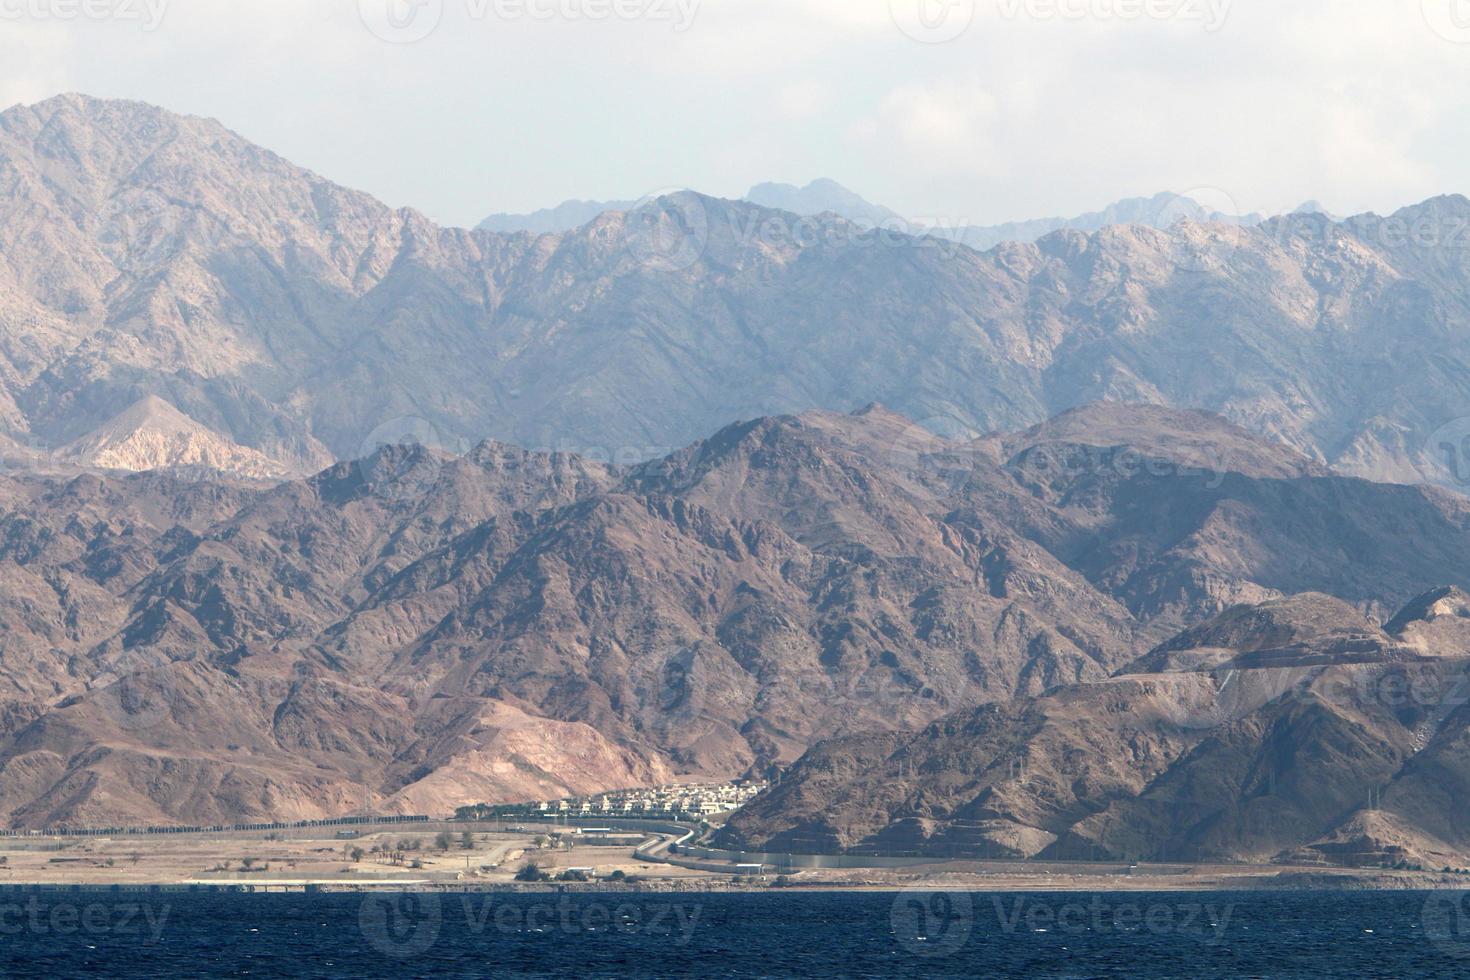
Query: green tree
point(444, 841)
point(467, 841)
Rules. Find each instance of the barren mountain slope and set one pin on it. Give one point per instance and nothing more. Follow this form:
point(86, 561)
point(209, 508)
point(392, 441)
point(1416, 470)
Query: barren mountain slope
point(153, 435)
point(1186, 756)
point(518, 624)
point(144, 253)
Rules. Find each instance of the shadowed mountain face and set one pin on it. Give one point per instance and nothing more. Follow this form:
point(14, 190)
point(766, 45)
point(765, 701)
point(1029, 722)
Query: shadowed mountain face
point(414, 631)
point(1293, 730)
point(148, 254)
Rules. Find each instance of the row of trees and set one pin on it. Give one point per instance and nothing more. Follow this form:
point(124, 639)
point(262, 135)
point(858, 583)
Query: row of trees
point(445, 840)
point(531, 871)
point(398, 852)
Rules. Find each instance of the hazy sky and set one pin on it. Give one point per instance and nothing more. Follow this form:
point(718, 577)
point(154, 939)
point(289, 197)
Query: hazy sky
point(972, 111)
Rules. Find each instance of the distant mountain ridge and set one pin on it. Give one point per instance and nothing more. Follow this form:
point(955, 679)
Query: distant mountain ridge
point(823, 196)
point(148, 254)
point(818, 197)
point(564, 217)
point(1161, 211)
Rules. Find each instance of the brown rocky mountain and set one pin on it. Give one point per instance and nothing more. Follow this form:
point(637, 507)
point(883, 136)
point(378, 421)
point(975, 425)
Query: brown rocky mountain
point(1294, 729)
point(148, 254)
point(415, 631)
point(1180, 515)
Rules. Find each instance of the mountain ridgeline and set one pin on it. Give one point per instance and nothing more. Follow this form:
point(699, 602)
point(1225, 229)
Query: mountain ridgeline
point(1293, 730)
point(1125, 542)
point(413, 631)
point(150, 255)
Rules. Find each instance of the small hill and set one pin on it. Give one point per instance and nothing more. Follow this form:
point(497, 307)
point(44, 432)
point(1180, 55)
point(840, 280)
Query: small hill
point(1199, 440)
point(153, 435)
point(1296, 631)
point(1436, 623)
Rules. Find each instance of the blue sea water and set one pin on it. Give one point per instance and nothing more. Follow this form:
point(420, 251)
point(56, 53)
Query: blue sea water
point(776, 934)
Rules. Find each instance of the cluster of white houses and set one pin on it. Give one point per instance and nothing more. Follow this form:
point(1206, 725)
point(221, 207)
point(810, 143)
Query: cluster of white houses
point(679, 801)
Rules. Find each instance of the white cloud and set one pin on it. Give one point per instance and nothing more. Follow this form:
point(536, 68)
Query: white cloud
point(1361, 105)
point(803, 100)
point(944, 127)
point(33, 61)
